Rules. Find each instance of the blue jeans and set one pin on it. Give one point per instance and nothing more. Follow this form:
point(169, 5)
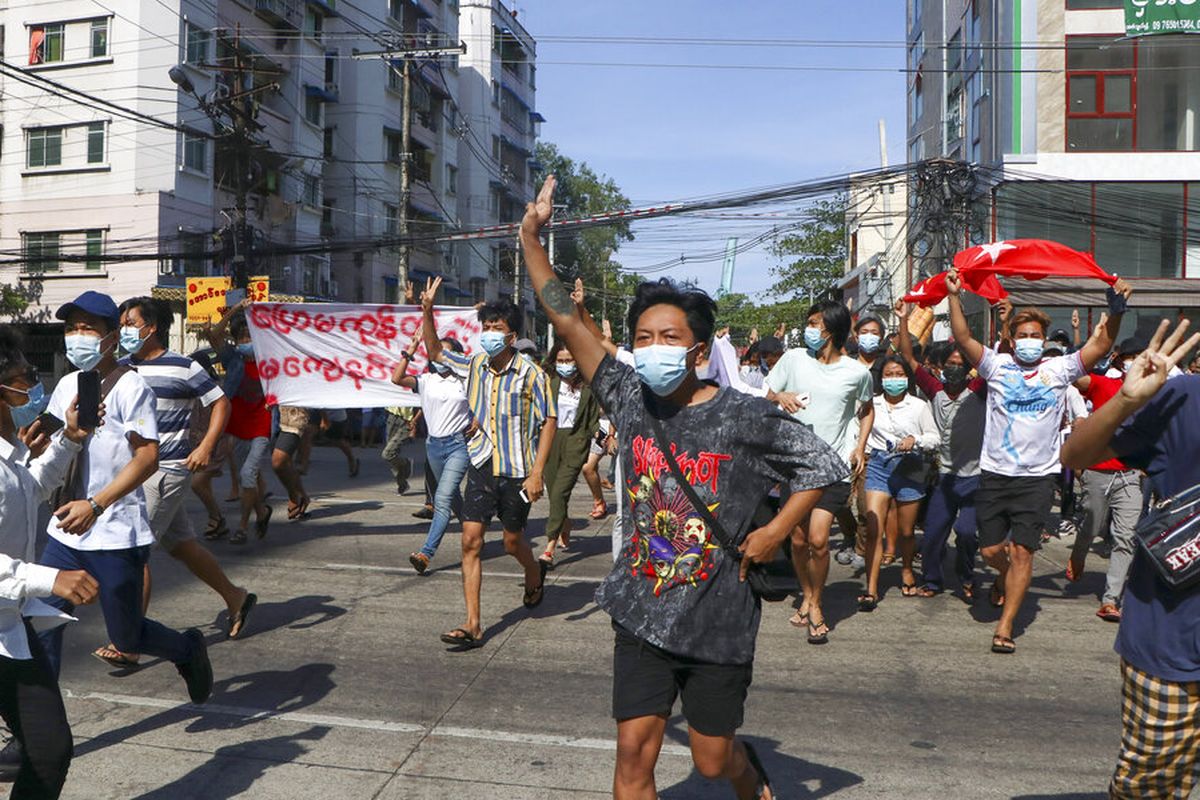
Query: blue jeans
point(953, 496)
point(119, 573)
point(447, 458)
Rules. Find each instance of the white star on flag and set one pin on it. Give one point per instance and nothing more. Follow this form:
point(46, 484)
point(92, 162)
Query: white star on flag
point(994, 250)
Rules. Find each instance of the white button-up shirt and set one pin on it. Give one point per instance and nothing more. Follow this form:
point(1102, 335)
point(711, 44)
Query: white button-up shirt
point(22, 490)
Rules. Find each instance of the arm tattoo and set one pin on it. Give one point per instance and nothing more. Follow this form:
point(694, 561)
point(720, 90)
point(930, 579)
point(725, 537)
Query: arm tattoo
point(557, 298)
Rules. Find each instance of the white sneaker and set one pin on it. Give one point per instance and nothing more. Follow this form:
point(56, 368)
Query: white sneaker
point(858, 562)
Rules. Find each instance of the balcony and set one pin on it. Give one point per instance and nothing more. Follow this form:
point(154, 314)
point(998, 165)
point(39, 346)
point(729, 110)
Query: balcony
point(280, 13)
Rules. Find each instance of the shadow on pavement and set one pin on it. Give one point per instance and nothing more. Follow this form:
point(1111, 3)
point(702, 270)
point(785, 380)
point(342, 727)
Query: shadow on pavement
point(1070, 796)
point(791, 777)
point(259, 694)
point(234, 768)
point(298, 613)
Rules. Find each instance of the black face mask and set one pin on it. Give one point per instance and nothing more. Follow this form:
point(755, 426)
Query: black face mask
point(954, 374)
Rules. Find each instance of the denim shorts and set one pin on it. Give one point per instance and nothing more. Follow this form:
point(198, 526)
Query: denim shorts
point(885, 475)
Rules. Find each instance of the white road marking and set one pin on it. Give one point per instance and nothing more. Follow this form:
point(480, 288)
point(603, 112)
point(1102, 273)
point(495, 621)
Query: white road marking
point(448, 731)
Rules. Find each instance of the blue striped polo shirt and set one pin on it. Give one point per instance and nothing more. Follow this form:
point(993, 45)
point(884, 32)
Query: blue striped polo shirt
point(177, 382)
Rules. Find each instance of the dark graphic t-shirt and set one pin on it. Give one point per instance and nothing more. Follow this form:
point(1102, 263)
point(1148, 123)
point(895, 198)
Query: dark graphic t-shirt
point(673, 585)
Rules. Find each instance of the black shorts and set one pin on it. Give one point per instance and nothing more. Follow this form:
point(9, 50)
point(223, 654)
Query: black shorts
point(834, 498)
point(647, 679)
point(1007, 505)
point(287, 442)
point(489, 496)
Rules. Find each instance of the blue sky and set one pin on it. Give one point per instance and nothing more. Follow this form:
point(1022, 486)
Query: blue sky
point(670, 133)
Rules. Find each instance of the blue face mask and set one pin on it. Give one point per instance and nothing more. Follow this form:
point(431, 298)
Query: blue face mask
point(83, 351)
point(868, 342)
point(813, 339)
point(895, 386)
point(566, 370)
point(23, 416)
point(245, 349)
point(440, 368)
point(131, 339)
point(662, 367)
point(493, 342)
point(1029, 351)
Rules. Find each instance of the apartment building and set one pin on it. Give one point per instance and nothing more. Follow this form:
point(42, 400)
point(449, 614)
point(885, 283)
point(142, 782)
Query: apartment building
point(93, 196)
point(1078, 133)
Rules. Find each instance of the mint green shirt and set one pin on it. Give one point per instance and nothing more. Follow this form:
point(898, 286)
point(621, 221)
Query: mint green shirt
point(835, 393)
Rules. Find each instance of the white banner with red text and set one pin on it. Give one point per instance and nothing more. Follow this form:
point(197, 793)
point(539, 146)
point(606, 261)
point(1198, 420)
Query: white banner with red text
point(332, 355)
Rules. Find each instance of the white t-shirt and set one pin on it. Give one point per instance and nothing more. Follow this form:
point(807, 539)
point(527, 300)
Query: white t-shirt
point(568, 405)
point(1024, 412)
point(129, 409)
point(835, 393)
point(444, 403)
point(894, 422)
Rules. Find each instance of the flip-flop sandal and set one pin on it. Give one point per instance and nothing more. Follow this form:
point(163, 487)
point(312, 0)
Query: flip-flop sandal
point(237, 537)
point(547, 558)
point(299, 510)
point(928, 591)
point(237, 623)
point(909, 590)
point(764, 782)
point(465, 640)
point(599, 511)
point(216, 531)
point(1003, 645)
point(968, 592)
point(867, 602)
point(799, 619)
point(115, 658)
point(419, 561)
point(815, 634)
point(534, 597)
point(260, 526)
point(996, 596)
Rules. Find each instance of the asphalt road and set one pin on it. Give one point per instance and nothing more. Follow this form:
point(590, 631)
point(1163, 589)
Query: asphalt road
point(341, 689)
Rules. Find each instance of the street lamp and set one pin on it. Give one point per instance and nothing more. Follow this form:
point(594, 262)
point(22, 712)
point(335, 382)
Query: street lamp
point(179, 77)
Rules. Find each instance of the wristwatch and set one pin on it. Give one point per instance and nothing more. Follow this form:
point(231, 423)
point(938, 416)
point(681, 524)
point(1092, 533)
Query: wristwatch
point(97, 509)
point(405, 355)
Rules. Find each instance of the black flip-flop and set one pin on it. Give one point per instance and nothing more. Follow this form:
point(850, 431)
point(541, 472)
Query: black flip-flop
point(813, 636)
point(1003, 645)
point(467, 640)
point(119, 661)
point(260, 525)
point(239, 619)
point(867, 602)
point(764, 782)
point(539, 591)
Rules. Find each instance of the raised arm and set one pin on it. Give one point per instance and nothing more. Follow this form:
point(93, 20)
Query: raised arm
point(216, 333)
point(903, 341)
point(971, 348)
point(1091, 440)
point(400, 375)
point(555, 298)
point(433, 345)
point(1101, 342)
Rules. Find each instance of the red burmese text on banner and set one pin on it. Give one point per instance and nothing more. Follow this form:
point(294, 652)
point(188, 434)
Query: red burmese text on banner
point(327, 355)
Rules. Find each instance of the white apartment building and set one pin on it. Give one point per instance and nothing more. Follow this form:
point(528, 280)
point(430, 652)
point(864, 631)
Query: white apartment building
point(91, 199)
point(1080, 135)
point(496, 103)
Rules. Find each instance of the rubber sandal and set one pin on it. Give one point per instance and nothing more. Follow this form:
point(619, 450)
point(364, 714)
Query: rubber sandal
point(764, 782)
point(867, 602)
point(534, 597)
point(419, 561)
point(115, 658)
point(465, 640)
point(299, 510)
point(928, 590)
point(799, 619)
point(909, 590)
point(237, 537)
point(547, 558)
point(996, 596)
point(815, 634)
point(1109, 613)
point(216, 531)
point(237, 623)
point(260, 526)
point(968, 592)
point(1003, 645)
point(599, 511)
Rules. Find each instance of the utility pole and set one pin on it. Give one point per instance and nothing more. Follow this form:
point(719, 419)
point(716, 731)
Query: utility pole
point(407, 55)
point(550, 253)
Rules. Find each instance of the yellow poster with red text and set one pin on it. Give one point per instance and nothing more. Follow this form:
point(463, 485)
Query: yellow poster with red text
point(206, 299)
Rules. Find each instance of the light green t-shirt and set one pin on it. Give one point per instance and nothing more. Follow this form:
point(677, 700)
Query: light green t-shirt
point(835, 393)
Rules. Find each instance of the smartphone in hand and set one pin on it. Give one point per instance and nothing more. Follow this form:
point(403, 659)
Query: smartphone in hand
point(89, 399)
point(49, 423)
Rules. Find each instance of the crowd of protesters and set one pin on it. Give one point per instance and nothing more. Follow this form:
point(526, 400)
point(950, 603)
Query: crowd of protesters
point(860, 430)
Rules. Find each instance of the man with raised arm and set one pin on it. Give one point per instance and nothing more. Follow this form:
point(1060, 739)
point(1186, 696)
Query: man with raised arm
point(509, 397)
point(685, 620)
point(1019, 464)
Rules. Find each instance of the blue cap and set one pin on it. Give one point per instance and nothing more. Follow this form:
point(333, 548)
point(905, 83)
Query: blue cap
point(101, 305)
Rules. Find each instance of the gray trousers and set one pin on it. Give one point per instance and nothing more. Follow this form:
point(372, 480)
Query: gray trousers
point(1120, 493)
point(397, 437)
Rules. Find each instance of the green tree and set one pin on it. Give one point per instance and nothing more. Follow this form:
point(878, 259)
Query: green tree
point(814, 257)
point(12, 301)
point(741, 315)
